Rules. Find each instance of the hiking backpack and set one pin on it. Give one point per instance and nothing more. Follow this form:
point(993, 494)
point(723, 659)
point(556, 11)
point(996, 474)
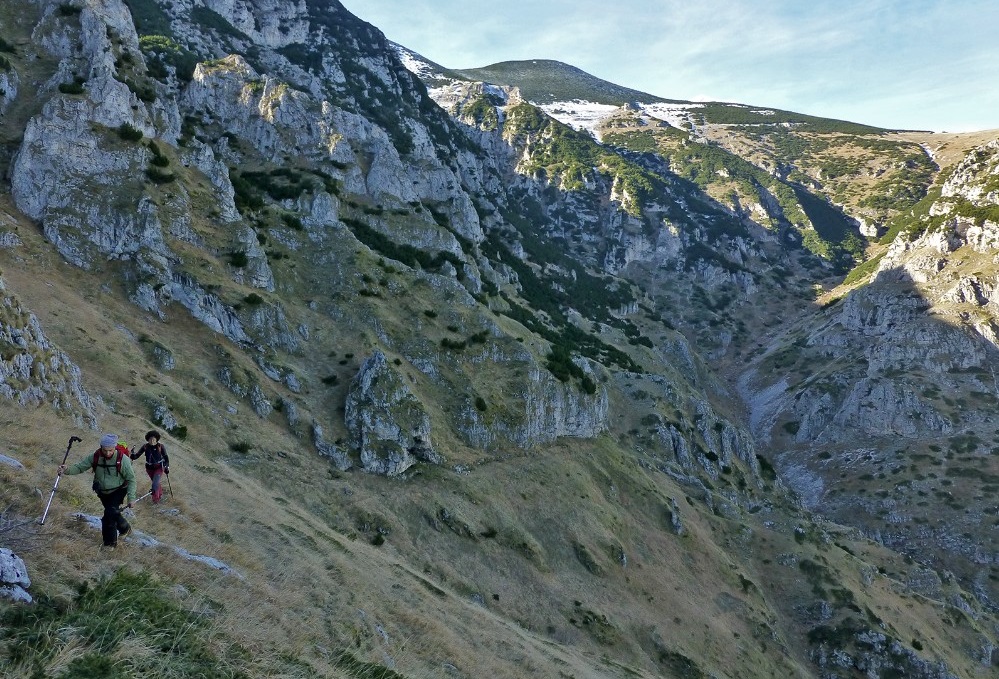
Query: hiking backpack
point(121, 450)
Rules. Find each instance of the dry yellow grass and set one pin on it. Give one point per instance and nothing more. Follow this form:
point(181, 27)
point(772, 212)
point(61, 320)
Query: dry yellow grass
point(948, 148)
point(554, 563)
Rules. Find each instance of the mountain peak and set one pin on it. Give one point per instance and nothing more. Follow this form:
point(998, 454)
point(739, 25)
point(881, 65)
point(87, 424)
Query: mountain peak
point(546, 81)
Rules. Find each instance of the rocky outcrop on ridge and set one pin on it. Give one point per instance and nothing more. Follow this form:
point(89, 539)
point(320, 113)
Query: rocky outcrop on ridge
point(386, 423)
point(34, 371)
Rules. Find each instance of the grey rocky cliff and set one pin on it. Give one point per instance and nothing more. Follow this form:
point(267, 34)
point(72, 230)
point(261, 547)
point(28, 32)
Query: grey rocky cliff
point(897, 377)
point(278, 121)
point(33, 371)
point(877, 334)
point(9, 81)
point(549, 410)
point(71, 153)
point(523, 405)
point(301, 281)
point(876, 655)
point(612, 232)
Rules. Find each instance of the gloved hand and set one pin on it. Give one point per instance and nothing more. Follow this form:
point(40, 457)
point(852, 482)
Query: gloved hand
point(166, 470)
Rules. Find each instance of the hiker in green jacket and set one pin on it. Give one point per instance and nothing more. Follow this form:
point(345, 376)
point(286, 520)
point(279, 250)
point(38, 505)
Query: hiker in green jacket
point(114, 480)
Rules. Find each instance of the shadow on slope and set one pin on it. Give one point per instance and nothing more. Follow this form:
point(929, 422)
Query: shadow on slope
point(879, 413)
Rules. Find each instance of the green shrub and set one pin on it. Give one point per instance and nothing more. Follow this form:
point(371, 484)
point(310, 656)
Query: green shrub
point(483, 112)
point(293, 222)
point(129, 133)
point(149, 18)
point(246, 195)
point(143, 92)
point(242, 447)
point(559, 363)
point(766, 469)
point(211, 19)
point(238, 259)
point(480, 404)
point(281, 183)
point(407, 254)
point(75, 87)
point(4, 64)
point(161, 52)
point(157, 176)
point(253, 299)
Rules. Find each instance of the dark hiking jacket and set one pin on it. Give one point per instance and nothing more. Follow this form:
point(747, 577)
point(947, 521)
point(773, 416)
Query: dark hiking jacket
point(155, 455)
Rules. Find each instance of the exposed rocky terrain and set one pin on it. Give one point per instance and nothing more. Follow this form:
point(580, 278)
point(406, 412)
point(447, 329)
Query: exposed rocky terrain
point(454, 387)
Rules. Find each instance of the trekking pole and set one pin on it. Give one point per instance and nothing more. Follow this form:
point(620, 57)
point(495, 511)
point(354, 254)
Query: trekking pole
point(169, 486)
point(58, 476)
point(143, 497)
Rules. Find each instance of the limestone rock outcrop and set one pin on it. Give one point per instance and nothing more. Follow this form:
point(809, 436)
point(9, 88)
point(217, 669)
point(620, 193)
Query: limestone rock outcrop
point(14, 580)
point(386, 423)
point(35, 371)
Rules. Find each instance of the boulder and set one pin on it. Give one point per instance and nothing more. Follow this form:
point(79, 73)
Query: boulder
point(14, 579)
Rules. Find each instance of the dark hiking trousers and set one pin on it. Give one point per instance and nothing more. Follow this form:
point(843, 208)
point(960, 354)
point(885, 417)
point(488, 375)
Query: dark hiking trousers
point(113, 522)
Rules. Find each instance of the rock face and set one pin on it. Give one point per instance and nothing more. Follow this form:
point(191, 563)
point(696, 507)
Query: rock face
point(895, 380)
point(877, 655)
point(553, 409)
point(385, 421)
point(919, 315)
point(34, 371)
point(8, 89)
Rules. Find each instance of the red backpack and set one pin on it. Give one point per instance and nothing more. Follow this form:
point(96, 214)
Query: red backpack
point(120, 449)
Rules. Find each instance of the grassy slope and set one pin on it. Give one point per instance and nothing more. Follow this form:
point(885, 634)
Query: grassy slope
point(523, 571)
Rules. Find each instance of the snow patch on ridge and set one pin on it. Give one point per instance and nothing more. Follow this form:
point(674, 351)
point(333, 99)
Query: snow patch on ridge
point(579, 114)
point(420, 69)
point(587, 115)
point(674, 114)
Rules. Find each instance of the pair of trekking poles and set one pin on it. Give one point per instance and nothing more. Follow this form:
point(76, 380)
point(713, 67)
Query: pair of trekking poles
point(73, 439)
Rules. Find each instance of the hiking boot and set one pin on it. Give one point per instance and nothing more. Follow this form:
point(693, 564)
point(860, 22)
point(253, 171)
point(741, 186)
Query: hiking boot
point(124, 531)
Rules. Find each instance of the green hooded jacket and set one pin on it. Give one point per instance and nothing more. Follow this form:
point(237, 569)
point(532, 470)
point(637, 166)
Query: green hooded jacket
point(107, 473)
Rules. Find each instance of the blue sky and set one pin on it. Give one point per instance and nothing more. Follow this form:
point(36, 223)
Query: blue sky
point(913, 64)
